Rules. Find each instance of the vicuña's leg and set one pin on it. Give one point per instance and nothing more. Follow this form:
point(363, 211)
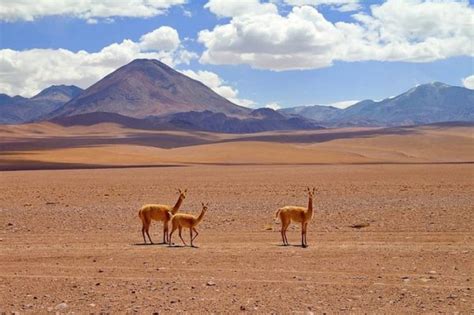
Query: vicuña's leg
point(191, 236)
point(195, 235)
point(147, 229)
point(181, 237)
point(143, 232)
point(303, 232)
point(282, 230)
point(284, 227)
point(165, 232)
point(171, 234)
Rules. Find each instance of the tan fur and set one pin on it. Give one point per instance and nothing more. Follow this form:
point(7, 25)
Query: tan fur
point(296, 214)
point(185, 220)
point(158, 212)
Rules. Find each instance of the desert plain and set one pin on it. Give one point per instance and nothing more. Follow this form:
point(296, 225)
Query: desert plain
point(70, 239)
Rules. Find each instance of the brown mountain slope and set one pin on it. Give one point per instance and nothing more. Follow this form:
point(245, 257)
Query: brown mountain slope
point(147, 88)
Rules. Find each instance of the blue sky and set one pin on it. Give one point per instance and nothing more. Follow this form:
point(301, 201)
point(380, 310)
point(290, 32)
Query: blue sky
point(369, 68)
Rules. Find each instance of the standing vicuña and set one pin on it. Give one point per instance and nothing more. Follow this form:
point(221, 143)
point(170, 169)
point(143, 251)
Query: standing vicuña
point(180, 220)
point(159, 213)
point(296, 214)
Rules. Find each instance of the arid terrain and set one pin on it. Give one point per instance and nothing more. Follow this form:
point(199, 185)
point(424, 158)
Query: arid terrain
point(70, 239)
point(50, 146)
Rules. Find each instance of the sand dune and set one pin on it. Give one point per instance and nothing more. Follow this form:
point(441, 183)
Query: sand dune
point(26, 146)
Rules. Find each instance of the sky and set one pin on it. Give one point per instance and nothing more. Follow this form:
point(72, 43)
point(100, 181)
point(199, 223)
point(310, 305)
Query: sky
point(276, 54)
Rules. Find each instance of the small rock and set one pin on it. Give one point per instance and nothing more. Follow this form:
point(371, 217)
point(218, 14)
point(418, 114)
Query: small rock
point(61, 306)
point(10, 224)
point(242, 308)
point(92, 305)
point(100, 271)
point(432, 272)
point(359, 225)
point(210, 283)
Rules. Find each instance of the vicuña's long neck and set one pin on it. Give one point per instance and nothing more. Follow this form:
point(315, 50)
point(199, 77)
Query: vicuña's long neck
point(177, 205)
point(310, 206)
point(199, 218)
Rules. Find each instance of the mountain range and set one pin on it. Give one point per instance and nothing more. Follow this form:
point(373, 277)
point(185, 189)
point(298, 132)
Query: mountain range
point(17, 109)
point(148, 94)
point(423, 104)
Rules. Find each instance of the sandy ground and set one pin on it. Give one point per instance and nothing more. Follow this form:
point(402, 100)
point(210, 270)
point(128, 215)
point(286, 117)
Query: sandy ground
point(70, 240)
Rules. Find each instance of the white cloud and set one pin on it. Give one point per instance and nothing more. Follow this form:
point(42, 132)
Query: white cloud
point(232, 8)
point(213, 81)
point(340, 5)
point(90, 10)
point(397, 30)
point(29, 71)
point(163, 38)
point(344, 104)
point(273, 105)
point(468, 82)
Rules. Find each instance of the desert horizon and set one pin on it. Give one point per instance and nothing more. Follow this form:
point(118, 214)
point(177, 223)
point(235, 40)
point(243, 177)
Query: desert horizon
point(108, 145)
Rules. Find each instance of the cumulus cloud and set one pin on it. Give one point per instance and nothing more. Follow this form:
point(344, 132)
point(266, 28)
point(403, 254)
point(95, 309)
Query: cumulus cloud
point(163, 38)
point(90, 10)
point(468, 82)
point(213, 81)
point(397, 30)
point(29, 71)
point(231, 8)
point(339, 5)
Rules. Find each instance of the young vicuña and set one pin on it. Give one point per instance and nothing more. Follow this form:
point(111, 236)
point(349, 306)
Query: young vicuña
point(184, 220)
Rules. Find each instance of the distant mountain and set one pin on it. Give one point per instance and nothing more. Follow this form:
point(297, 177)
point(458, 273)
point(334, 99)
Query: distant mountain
point(424, 104)
point(18, 109)
point(263, 119)
point(202, 121)
point(58, 93)
point(148, 88)
point(318, 113)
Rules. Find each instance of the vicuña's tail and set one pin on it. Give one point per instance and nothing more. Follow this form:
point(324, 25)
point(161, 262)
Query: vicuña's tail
point(140, 214)
point(277, 213)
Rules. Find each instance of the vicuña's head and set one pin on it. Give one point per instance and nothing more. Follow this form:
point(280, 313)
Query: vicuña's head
point(182, 194)
point(204, 206)
point(311, 192)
